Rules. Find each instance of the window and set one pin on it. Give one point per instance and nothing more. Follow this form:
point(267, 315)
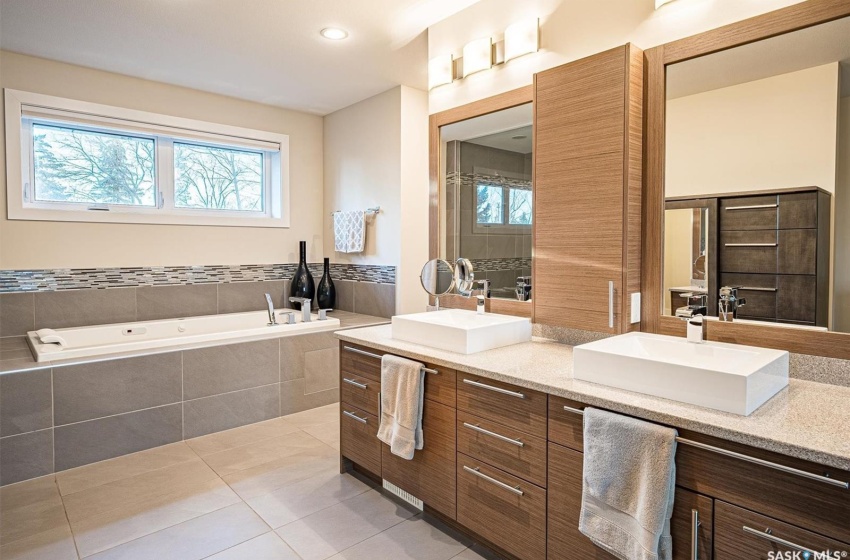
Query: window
point(500, 206)
point(85, 162)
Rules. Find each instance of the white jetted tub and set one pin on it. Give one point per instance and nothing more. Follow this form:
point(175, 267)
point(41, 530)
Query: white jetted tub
point(84, 342)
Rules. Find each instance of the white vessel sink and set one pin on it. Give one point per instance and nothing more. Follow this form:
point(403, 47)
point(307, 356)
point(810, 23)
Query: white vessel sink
point(461, 331)
point(728, 377)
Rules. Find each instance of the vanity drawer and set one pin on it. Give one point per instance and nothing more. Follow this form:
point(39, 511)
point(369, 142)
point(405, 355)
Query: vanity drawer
point(359, 438)
point(749, 213)
point(776, 297)
point(565, 427)
point(760, 291)
point(506, 404)
point(508, 449)
point(749, 251)
point(505, 510)
point(360, 392)
point(740, 534)
point(814, 504)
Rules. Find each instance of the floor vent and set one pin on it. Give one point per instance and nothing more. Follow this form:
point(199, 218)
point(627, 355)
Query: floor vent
point(404, 495)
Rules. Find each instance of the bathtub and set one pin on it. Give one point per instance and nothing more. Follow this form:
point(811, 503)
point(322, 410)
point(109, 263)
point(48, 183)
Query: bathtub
point(98, 340)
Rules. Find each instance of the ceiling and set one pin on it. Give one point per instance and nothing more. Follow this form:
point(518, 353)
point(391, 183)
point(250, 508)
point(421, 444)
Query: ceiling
point(806, 48)
point(268, 51)
point(495, 130)
point(518, 140)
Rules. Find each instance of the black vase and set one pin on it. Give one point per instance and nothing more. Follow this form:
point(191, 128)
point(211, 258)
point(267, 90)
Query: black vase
point(302, 283)
point(326, 294)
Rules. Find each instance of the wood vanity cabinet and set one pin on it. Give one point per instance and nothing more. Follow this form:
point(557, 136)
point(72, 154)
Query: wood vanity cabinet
point(587, 190)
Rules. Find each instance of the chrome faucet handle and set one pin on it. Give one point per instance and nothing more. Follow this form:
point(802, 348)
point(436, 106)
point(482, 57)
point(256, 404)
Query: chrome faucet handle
point(323, 314)
point(696, 328)
point(305, 307)
point(294, 299)
point(289, 316)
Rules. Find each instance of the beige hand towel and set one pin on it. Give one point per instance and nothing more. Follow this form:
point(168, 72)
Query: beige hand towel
point(402, 394)
point(629, 485)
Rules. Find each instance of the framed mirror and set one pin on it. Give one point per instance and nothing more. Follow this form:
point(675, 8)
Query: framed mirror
point(748, 180)
point(483, 196)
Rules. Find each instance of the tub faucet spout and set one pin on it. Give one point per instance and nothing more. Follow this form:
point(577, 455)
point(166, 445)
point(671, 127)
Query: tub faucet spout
point(305, 307)
point(272, 320)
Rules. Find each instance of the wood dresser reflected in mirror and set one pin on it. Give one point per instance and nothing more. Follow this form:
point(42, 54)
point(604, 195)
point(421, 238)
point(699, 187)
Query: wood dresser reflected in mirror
point(748, 180)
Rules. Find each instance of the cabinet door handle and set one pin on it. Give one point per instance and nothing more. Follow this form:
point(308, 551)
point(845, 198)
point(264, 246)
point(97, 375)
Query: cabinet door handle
point(506, 439)
point(355, 383)
point(611, 304)
point(694, 534)
point(752, 207)
point(362, 352)
point(751, 245)
point(754, 289)
point(766, 535)
point(355, 417)
point(516, 394)
point(477, 472)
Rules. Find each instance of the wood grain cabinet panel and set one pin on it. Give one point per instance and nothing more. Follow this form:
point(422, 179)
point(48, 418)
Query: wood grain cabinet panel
point(503, 403)
point(565, 427)
point(359, 438)
point(748, 213)
point(740, 534)
point(682, 523)
point(505, 510)
point(360, 392)
point(506, 448)
point(430, 475)
point(358, 364)
point(587, 189)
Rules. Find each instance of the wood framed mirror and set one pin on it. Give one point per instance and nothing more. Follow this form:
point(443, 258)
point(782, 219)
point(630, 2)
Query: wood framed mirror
point(782, 234)
point(482, 193)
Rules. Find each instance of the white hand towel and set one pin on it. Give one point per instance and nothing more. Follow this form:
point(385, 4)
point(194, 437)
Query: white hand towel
point(629, 485)
point(402, 398)
point(350, 231)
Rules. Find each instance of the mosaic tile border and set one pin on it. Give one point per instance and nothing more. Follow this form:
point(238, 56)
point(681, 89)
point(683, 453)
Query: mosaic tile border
point(495, 265)
point(50, 280)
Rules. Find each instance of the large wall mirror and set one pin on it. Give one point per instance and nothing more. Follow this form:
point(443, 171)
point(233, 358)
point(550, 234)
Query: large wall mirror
point(757, 180)
point(484, 201)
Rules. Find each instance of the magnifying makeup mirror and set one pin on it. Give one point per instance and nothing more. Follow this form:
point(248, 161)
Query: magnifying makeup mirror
point(437, 278)
point(464, 278)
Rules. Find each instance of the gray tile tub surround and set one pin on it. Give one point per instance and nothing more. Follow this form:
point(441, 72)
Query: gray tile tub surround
point(367, 298)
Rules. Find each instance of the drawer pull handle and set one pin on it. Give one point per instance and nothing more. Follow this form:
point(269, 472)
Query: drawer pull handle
point(754, 289)
point(506, 439)
point(355, 383)
point(768, 537)
point(610, 304)
point(753, 207)
point(378, 357)
point(477, 472)
point(768, 245)
point(516, 394)
point(355, 417)
point(695, 534)
point(755, 460)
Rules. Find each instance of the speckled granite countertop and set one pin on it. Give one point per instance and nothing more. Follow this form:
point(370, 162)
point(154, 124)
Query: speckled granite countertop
point(806, 420)
point(16, 356)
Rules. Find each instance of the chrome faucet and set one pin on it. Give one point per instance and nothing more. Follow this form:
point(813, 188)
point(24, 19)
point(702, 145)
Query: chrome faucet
point(272, 320)
point(485, 287)
point(305, 307)
point(729, 303)
point(696, 329)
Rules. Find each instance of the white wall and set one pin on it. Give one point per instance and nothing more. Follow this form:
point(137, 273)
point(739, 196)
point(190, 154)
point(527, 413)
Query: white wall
point(376, 154)
point(767, 134)
point(841, 294)
point(573, 29)
point(30, 244)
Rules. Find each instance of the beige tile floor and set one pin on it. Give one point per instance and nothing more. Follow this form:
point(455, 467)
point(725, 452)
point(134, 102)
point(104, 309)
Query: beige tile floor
point(268, 491)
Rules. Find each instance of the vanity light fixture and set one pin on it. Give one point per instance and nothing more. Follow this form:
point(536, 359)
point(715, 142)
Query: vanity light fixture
point(522, 37)
point(659, 3)
point(334, 33)
point(440, 71)
point(477, 56)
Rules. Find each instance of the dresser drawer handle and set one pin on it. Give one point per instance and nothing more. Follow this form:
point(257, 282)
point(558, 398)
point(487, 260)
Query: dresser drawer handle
point(768, 245)
point(477, 472)
point(695, 523)
point(506, 439)
point(355, 417)
point(355, 383)
point(768, 537)
point(753, 207)
point(380, 357)
point(754, 289)
point(516, 394)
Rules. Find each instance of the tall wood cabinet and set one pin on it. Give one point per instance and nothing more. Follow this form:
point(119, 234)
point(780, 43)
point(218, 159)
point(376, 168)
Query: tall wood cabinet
point(587, 191)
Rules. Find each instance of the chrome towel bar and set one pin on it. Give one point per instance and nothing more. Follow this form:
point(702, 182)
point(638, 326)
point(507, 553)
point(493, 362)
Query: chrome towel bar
point(747, 458)
point(378, 357)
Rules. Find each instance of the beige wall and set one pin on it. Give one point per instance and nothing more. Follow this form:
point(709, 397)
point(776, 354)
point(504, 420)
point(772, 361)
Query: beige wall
point(570, 30)
point(841, 294)
point(678, 235)
point(762, 135)
point(376, 154)
point(30, 244)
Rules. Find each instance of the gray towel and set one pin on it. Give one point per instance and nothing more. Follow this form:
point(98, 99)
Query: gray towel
point(402, 394)
point(629, 485)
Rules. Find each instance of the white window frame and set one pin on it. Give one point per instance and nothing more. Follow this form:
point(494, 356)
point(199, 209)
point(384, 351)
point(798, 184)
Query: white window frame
point(165, 130)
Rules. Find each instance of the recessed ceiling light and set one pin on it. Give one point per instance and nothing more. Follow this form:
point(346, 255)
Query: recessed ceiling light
point(334, 33)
